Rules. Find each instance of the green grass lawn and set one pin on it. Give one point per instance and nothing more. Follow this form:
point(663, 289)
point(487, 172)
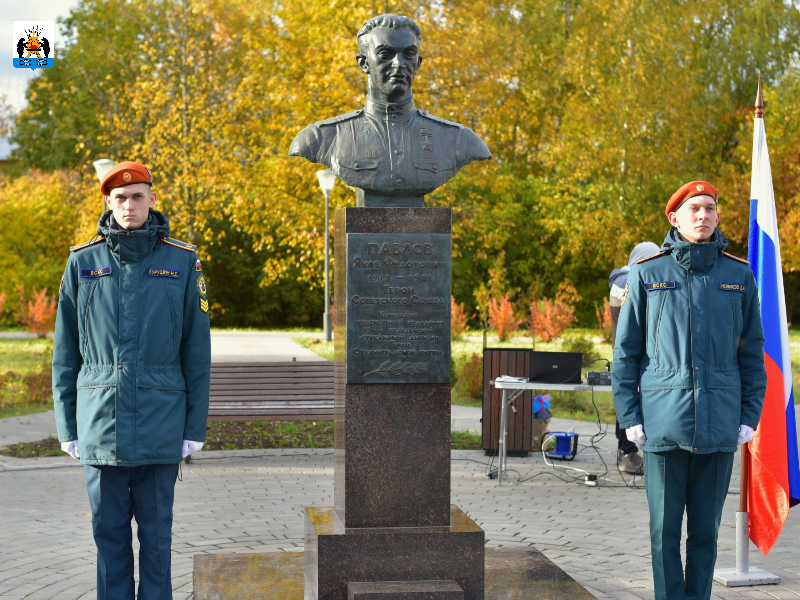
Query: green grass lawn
point(248, 435)
point(25, 380)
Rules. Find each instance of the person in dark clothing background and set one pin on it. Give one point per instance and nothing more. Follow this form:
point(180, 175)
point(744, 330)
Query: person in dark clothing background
point(628, 458)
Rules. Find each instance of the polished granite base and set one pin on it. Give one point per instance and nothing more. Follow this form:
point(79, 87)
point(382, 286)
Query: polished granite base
point(511, 574)
point(335, 556)
point(392, 458)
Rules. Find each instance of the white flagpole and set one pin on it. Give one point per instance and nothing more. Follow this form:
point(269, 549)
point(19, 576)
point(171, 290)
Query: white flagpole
point(743, 575)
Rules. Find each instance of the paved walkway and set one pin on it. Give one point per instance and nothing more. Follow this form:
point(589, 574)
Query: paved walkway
point(252, 501)
point(259, 346)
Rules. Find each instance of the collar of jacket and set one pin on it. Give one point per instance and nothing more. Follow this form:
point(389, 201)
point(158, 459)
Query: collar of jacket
point(697, 257)
point(134, 244)
point(379, 110)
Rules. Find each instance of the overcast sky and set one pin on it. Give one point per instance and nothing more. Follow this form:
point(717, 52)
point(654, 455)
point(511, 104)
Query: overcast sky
point(13, 81)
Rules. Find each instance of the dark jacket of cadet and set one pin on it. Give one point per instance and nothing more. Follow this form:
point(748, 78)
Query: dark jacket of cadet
point(688, 360)
point(131, 358)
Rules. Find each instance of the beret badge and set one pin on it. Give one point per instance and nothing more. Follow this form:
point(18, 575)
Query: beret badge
point(700, 188)
point(126, 176)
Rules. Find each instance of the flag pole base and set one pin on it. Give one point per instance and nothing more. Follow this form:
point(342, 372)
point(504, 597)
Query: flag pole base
point(743, 574)
point(730, 578)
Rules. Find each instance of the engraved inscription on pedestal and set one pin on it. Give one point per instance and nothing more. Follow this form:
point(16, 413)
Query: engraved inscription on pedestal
point(398, 296)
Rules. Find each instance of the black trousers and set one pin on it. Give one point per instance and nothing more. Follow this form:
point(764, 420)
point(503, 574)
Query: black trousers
point(623, 443)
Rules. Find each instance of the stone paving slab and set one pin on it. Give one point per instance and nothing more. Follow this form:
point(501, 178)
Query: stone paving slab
point(252, 501)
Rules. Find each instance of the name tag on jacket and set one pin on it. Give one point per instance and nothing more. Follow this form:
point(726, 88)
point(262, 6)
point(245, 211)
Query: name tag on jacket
point(659, 285)
point(96, 272)
point(733, 287)
point(164, 273)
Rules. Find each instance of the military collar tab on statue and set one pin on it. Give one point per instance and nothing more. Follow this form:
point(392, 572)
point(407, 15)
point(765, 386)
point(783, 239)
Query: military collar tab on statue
point(380, 110)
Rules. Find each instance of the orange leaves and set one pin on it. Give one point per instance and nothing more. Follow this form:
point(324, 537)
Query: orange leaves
point(551, 318)
point(37, 312)
point(501, 317)
point(604, 319)
point(458, 319)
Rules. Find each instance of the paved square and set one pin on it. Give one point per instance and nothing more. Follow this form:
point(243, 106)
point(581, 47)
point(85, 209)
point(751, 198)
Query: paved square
point(252, 501)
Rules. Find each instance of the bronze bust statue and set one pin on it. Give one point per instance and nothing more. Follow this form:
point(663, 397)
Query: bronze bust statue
point(392, 151)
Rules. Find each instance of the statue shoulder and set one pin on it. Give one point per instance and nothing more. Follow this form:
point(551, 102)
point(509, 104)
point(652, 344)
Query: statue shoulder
point(313, 142)
point(439, 120)
point(469, 146)
point(339, 118)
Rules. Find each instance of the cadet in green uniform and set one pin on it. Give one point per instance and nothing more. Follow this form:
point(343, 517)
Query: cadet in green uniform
point(689, 383)
point(131, 368)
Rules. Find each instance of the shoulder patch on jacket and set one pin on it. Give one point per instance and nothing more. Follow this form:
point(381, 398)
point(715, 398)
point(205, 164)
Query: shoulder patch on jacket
point(741, 260)
point(87, 244)
point(438, 119)
point(179, 244)
point(662, 253)
point(340, 118)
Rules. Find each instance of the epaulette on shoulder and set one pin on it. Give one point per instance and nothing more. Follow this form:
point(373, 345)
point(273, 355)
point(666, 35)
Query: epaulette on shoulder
point(179, 244)
point(439, 119)
point(87, 244)
point(741, 260)
point(656, 255)
point(340, 118)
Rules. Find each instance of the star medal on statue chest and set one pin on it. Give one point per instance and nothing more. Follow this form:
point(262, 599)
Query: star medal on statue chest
point(427, 138)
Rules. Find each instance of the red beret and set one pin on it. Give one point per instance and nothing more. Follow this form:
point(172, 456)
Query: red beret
point(690, 190)
point(125, 173)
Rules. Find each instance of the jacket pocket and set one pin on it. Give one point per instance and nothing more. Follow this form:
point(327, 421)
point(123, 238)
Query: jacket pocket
point(432, 172)
point(160, 414)
point(175, 313)
point(358, 172)
point(158, 379)
point(359, 164)
point(655, 310)
point(725, 326)
point(97, 418)
point(88, 290)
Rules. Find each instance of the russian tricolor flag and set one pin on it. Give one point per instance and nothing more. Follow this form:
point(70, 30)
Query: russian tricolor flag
point(774, 481)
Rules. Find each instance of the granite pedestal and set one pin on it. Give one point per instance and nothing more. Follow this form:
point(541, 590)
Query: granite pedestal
point(511, 574)
point(392, 520)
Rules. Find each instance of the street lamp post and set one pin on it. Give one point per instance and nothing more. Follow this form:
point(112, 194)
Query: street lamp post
point(101, 167)
point(326, 181)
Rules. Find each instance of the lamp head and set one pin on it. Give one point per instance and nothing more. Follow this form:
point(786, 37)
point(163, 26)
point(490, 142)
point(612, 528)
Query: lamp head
point(326, 180)
point(103, 166)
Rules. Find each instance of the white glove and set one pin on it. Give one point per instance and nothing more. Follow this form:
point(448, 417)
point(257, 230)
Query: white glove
point(190, 447)
point(71, 448)
point(745, 434)
point(636, 435)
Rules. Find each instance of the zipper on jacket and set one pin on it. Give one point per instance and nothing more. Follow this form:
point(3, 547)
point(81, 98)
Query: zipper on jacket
point(86, 320)
point(172, 318)
point(691, 351)
point(658, 325)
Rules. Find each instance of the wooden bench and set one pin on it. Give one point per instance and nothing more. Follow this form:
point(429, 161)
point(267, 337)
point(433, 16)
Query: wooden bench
point(271, 391)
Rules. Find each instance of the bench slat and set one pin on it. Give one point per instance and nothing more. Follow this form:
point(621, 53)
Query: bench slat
point(272, 391)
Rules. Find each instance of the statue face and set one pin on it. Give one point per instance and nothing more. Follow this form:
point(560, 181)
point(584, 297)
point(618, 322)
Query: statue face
point(391, 62)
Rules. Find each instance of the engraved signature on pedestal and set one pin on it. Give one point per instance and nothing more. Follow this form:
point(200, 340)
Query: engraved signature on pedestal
point(399, 368)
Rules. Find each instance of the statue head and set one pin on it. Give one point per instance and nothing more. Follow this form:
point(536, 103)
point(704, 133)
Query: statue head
point(389, 54)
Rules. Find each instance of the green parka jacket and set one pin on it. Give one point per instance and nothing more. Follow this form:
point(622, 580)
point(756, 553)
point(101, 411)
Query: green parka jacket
point(689, 355)
point(132, 351)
